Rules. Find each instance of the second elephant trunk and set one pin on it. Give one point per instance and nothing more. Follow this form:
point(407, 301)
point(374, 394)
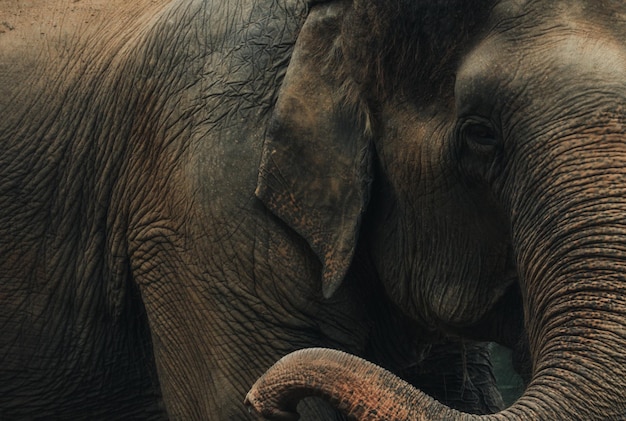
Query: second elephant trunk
point(354, 386)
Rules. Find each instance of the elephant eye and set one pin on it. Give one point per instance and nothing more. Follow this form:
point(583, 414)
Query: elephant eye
point(480, 136)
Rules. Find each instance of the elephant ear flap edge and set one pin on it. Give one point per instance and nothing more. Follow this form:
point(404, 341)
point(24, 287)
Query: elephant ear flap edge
point(320, 188)
point(315, 170)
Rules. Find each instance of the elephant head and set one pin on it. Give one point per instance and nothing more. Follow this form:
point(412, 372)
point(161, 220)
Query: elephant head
point(357, 136)
point(487, 142)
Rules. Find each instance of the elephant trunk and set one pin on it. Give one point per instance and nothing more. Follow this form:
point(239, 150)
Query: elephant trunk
point(570, 241)
point(578, 370)
point(566, 386)
point(357, 388)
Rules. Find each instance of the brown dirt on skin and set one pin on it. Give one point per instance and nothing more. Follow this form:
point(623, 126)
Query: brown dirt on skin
point(31, 20)
point(36, 34)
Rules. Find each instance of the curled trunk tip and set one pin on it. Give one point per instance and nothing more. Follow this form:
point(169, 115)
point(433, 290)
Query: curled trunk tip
point(354, 386)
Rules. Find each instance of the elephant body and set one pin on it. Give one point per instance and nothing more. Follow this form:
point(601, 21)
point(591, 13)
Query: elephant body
point(145, 271)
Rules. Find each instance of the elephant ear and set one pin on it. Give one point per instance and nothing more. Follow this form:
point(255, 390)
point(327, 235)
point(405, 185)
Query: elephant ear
point(315, 170)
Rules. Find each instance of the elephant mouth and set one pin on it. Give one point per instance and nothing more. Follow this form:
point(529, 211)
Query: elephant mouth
point(498, 305)
point(502, 321)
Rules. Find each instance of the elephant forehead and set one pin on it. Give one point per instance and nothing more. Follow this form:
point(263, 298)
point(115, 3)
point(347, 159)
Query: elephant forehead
point(597, 56)
point(580, 52)
point(565, 50)
point(577, 36)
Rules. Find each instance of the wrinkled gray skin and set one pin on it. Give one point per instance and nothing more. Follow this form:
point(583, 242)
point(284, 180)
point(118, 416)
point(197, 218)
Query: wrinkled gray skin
point(148, 271)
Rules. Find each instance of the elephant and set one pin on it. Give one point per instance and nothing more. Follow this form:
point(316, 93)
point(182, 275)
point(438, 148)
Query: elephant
point(188, 193)
point(529, 142)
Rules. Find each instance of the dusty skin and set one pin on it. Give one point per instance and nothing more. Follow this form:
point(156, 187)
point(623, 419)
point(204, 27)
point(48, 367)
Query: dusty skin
point(141, 277)
point(41, 31)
